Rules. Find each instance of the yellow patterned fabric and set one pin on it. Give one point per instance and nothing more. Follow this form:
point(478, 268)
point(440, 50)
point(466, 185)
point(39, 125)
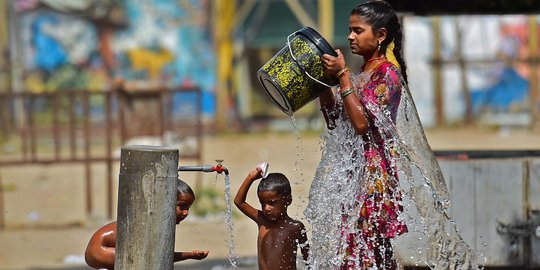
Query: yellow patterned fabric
point(390, 55)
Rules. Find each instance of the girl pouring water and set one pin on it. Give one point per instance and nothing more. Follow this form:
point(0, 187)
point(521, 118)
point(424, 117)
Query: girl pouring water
point(373, 129)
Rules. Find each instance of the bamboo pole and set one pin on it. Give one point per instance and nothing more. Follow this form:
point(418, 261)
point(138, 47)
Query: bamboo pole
point(465, 91)
point(224, 13)
point(437, 71)
point(326, 19)
point(146, 208)
point(4, 44)
point(300, 13)
point(533, 79)
point(16, 66)
point(4, 84)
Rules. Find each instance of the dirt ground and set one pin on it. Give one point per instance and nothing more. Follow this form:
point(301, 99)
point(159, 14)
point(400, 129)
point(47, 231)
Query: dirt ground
point(47, 227)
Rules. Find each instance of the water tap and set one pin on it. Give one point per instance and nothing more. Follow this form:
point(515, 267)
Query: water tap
point(218, 168)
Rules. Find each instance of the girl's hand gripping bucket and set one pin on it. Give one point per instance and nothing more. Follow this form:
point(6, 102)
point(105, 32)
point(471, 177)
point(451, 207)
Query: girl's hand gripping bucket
point(294, 76)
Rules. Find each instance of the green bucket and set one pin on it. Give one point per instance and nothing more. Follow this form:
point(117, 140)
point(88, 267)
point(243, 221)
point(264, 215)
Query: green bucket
point(294, 76)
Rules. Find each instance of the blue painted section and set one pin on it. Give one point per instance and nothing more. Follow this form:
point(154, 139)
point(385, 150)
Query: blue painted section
point(510, 89)
point(49, 54)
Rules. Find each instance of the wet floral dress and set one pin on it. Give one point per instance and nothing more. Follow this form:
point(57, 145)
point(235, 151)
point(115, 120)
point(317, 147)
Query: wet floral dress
point(379, 202)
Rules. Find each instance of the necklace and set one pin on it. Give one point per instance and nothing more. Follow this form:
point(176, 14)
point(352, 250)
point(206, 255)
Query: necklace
point(382, 57)
point(375, 59)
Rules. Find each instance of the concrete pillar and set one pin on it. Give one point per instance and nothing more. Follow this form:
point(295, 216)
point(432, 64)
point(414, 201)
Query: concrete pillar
point(146, 208)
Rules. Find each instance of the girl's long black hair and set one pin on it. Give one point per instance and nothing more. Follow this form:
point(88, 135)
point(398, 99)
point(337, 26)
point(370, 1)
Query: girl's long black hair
point(379, 14)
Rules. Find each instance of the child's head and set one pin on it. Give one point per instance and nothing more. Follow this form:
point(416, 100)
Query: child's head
point(184, 200)
point(274, 193)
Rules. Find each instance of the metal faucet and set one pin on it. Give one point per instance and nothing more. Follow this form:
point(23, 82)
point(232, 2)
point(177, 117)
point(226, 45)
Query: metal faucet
point(218, 168)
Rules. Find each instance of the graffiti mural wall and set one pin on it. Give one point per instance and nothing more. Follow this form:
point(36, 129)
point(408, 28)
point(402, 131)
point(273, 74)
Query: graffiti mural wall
point(71, 45)
point(58, 51)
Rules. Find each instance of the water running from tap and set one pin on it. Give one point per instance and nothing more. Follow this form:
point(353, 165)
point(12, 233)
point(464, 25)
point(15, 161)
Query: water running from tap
point(230, 224)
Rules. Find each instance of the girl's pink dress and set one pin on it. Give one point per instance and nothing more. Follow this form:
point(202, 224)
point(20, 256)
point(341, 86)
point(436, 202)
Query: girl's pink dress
point(380, 201)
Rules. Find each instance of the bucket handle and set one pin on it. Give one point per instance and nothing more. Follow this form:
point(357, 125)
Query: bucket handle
point(294, 58)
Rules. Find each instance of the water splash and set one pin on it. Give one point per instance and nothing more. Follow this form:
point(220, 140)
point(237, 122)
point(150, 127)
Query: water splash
point(330, 199)
point(447, 249)
point(298, 166)
point(299, 152)
point(346, 178)
point(230, 225)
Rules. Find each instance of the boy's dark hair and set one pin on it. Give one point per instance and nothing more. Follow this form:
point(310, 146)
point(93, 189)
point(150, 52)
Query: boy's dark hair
point(184, 188)
point(275, 182)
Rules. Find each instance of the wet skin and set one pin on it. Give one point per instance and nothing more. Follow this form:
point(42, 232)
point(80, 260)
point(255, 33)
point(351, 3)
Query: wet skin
point(100, 252)
point(362, 40)
point(183, 203)
point(279, 234)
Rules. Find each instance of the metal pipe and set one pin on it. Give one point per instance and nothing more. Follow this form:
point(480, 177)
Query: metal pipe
point(218, 168)
point(205, 168)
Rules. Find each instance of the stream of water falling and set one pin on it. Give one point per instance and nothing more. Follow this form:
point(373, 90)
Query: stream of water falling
point(299, 153)
point(230, 225)
point(342, 183)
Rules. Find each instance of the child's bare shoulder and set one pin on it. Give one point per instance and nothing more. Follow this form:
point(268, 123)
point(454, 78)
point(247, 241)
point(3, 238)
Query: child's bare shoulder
point(296, 224)
point(297, 230)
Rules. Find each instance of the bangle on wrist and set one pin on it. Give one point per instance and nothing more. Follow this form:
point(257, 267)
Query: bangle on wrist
point(347, 91)
point(344, 95)
point(342, 89)
point(342, 71)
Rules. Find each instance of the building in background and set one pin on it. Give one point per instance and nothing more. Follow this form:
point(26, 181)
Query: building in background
point(480, 68)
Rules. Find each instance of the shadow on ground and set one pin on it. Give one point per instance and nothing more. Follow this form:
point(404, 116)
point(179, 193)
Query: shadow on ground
point(245, 263)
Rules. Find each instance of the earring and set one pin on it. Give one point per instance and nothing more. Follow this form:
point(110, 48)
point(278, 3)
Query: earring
point(379, 45)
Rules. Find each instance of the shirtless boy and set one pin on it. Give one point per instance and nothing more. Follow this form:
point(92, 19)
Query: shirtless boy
point(100, 251)
point(280, 236)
